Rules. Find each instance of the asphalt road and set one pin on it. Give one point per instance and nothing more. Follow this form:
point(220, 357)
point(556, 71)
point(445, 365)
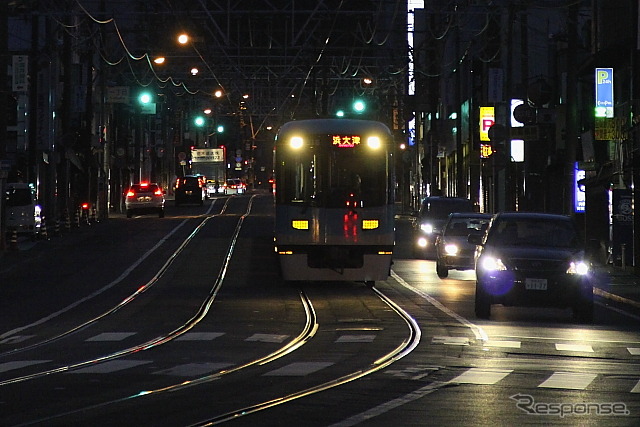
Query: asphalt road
point(184, 321)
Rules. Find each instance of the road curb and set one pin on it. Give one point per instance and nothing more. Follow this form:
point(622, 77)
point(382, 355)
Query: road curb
point(614, 297)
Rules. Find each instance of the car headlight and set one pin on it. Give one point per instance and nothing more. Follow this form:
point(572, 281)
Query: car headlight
point(451, 249)
point(491, 263)
point(427, 228)
point(578, 267)
point(422, 242)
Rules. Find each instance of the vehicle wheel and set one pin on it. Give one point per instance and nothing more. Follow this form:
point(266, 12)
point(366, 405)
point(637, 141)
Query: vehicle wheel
point(483, 303)
point(441, 271)
point(129, 213)
point(161, 213)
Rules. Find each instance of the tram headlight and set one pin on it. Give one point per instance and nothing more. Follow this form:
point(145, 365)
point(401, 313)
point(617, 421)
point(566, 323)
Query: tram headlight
point(296, 142)
point(373, 142)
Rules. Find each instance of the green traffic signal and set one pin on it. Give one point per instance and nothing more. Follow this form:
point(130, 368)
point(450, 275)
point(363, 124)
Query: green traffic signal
point(145, 98)
point(199, 121)
point(220, 129)
point(359, 106)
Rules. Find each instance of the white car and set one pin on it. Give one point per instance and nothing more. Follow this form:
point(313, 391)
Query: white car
point(144, 197)
point(235, 186)
point(22, 211)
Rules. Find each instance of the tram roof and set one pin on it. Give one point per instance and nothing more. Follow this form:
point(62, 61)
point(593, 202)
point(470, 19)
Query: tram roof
point(334, 125)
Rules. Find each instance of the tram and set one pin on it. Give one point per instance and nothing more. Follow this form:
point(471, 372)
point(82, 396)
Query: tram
point(334, 196)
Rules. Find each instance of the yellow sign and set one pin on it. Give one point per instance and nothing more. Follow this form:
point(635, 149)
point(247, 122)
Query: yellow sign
point(487, 119)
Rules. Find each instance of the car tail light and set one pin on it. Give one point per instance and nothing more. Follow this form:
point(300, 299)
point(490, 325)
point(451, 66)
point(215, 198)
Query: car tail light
point(131, 193)
point(158, 192)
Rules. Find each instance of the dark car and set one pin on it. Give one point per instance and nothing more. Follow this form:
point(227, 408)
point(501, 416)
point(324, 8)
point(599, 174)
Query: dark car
point(190, 189)
point(433, 213)
point(453, 250)
point(535, 260)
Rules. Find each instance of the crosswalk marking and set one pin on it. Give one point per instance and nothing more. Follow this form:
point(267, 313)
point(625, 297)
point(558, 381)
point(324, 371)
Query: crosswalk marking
point(568, 380)
point(111, 336)
point(355, 338)
point(450, 340)
point(275, 338)
point(193, 369)
point(634, 351)
point(503, 344)
point(574, 347)
point(111, 366)
point(481, 376)
point(299, 369)
point(9, 366)
point(199, 336)
point(636, 389)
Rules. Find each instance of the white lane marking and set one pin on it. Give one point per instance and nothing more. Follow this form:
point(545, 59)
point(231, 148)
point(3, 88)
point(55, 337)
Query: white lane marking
point(16, 339)
point(193, 369)
point(450, 340)
point(568, 380)
point(199, 336)
point(477, 330)
point(355, 338)
point(111, 366)
point(481, 376)
point(117, 280)
point(298, 369)
point(634, 351)
point(9, 366)
point(111, 336)
point(574, 347)
point(268, 338)
point(503, 344)
point(636, 389)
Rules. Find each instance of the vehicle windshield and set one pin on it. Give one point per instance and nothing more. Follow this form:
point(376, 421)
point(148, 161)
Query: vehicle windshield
point(466, 226)
point(18, 197)
point(328, 176)
point(534, 232)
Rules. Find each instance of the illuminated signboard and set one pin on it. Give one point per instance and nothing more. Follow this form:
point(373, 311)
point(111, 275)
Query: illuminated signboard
point(487, 119)
point(604, 92)
point(345, 141)
point(486, 150)
point(579, 193)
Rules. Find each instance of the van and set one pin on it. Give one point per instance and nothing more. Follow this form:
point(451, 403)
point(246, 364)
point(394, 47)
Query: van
point(22, 211)
point(432, 216)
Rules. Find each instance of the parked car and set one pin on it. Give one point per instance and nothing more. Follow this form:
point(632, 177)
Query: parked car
point(22, 211)
point(453, 250)
point(532, 259)
point(144, 197)
point(433, 213)
point(235, 186)
point(190, 189)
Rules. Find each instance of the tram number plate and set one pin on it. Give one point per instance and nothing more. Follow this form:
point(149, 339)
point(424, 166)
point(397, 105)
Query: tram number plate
point(535, 284)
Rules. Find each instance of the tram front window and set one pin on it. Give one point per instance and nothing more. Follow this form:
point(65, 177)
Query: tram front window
point(335, 178)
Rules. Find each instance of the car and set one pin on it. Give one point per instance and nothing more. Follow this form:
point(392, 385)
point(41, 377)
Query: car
point(22, 211)
point(534, 260)
point(235, 186)
point(453, 250)
point(144, 197)
point(190, 189)
point(213, 188)
point(432, 215)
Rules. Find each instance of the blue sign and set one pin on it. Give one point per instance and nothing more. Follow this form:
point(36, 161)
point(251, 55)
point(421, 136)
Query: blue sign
point(579, 199)
point(604, 92)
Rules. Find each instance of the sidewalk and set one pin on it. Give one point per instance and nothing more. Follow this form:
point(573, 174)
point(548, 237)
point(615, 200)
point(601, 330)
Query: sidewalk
point(620, 286)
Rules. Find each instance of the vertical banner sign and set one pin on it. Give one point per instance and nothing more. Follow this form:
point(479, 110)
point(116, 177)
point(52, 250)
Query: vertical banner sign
point(604, 92)
point(579, 198)
point(622, 226)
point(487, 119)
point(20, 73)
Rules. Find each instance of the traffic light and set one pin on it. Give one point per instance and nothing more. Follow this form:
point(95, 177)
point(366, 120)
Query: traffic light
point(145, 98)
point(220, 129)
point(359, 106)
point(199, 121)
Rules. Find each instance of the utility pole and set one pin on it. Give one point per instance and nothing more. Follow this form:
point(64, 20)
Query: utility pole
point(4, 97)
point(572, 107)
